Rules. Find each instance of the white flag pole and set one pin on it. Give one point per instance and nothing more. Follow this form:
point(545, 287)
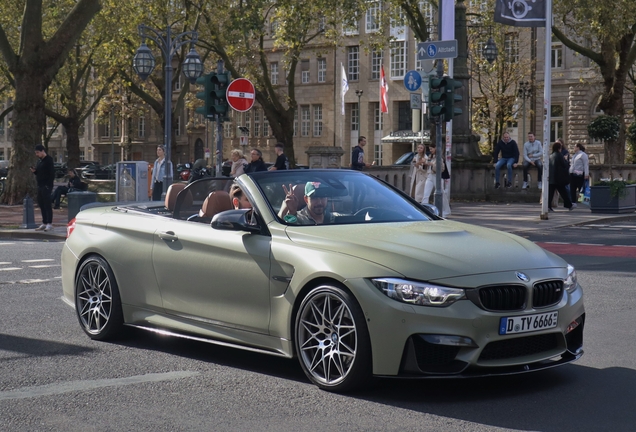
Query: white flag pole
point(547, 93)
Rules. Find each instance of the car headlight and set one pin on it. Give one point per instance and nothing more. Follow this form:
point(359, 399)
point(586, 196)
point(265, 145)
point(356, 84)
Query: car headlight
point(418, 293)
point(570, 281)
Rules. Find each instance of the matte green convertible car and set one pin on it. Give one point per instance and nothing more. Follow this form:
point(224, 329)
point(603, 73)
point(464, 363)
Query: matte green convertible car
point(333, 267)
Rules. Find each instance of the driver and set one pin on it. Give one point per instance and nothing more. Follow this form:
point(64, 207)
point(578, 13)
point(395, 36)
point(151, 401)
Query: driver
point(239, 200)
point(316, 212)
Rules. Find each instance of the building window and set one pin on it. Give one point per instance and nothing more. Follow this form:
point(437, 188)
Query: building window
point(430, 15)
point(405, 116)
point(398, 59)
point(296, 123)
point(257, 123)
point(373, 17)
point(177, 131)
point(248, 124)
point(377, 117)
point(305, 118)
point(355, 117)
point(266, 130)
point(1, 127)
point(274, 72)
point(351, 27)
point(317, 120)
point(376, 64)
point(556, 60)
point(353, 63)
point(322, 70)
point(511, 47)
point(304, 71)
point(141, 127)
point(398, 26)
point(556, 122)
point(177, 83)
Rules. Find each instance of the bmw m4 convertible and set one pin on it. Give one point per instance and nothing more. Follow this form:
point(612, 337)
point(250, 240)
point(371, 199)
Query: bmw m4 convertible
point(333, 267)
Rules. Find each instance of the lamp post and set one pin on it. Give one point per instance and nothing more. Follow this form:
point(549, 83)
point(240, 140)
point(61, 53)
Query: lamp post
point(524, 92)
point(144, 63)
point(359, 94)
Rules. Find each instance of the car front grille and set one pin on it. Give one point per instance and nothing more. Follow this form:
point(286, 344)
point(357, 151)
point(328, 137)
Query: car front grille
point(547, 293)
point(503, 297)
point(519, 347)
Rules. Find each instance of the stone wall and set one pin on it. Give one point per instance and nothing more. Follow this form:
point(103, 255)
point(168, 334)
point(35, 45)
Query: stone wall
point(476, 181)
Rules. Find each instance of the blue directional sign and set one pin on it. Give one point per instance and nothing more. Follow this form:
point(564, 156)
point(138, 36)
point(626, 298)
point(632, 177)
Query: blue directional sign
point(437, 50)
point(412, 80)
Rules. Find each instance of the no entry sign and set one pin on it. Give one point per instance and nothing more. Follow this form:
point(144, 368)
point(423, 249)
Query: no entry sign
point(241, 95)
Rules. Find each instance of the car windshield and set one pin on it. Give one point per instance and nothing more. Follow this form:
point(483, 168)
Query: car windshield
point(351, 197)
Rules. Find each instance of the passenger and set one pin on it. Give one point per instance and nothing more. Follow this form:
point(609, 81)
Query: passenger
point(316, 212)
point(239, 200)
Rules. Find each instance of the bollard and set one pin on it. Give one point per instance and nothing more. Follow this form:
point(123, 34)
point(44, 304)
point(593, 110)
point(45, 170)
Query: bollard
point(28, 217)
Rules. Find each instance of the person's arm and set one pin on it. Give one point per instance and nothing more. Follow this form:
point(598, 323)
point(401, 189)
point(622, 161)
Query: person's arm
point(586, 165)
point(515, 152)
point(526, 148)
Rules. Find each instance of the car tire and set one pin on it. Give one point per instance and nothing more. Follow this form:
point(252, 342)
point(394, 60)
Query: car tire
point(332, 340)
point(97, 300)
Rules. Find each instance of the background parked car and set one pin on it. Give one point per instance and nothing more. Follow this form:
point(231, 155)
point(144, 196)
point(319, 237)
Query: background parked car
point(98, 172)
point(4, 168)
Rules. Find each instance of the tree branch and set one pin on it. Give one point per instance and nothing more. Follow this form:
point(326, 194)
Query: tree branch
point(587, 52)
point(10, 58)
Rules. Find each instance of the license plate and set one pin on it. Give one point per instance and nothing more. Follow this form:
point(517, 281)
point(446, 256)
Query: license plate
point(528, 323)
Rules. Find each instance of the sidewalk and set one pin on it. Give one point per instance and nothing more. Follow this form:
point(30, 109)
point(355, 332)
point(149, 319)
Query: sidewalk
point(516, 218)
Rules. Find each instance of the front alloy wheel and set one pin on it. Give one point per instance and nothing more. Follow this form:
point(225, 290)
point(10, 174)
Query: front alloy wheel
point(97, 301)
point(332, 341)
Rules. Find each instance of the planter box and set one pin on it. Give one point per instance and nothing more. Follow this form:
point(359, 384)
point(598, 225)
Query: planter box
point(602, 202)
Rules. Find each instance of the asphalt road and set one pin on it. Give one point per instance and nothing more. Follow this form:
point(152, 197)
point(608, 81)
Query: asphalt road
point(53, 378)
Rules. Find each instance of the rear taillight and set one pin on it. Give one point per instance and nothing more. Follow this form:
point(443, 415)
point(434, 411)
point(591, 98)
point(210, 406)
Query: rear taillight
point(70, 227)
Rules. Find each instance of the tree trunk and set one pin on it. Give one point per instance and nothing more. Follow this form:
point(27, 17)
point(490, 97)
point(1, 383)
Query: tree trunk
point(28, 125)
point(282, 124)
point(71, 127)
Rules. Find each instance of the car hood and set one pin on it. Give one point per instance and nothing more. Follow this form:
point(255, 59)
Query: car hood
point(428, 250)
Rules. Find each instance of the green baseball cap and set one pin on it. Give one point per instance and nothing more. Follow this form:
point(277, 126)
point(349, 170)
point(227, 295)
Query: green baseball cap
point(317, 189)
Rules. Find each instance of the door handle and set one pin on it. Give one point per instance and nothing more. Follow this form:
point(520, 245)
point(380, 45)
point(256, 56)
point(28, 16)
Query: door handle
point(168, 235)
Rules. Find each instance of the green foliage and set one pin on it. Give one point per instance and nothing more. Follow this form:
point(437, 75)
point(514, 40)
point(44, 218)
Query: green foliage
point(604, 127)
point(618, 187)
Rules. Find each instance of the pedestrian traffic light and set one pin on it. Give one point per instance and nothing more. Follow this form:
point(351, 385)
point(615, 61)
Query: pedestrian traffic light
point(450, 98)
point(220, 106)
point(206, 95)
point(436, 96)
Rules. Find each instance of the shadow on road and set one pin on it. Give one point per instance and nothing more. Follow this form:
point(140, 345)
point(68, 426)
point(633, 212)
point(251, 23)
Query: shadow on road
point(38, 347)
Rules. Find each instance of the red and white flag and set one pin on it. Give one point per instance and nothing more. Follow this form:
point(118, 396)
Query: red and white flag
point(384, 89)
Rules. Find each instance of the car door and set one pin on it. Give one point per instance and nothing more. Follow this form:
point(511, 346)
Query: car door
point(218, 277)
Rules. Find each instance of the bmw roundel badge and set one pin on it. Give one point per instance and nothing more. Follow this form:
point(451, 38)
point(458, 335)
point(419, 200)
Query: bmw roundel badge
point(522, 277)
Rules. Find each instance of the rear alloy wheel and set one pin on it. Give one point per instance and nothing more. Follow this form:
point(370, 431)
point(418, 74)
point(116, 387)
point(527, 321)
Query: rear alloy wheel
point(332, 340)
point(97, 300)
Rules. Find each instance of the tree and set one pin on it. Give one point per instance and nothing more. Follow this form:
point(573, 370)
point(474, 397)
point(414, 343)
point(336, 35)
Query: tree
point(32, 66)
point(603, 32)
point(244, 33)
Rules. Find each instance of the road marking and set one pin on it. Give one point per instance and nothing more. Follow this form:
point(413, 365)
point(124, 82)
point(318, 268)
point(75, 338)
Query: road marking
point(38, 260)
point(27, 281)
point(44, 266)
point(84, 385)
point(5, 263)
point(10, 268)
point(589, 250)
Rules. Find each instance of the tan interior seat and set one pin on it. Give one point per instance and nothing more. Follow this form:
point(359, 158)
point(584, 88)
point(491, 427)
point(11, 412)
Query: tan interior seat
point(216, 202)
point(171, 195)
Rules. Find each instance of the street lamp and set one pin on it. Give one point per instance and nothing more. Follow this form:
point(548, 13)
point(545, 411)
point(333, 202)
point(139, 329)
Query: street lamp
point(144, 63)
point(490, 50)
point(524, 92)
point(359, 94)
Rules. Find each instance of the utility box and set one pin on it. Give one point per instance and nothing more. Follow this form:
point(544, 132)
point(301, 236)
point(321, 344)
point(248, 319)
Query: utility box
point(132, 181)
point(76, 200)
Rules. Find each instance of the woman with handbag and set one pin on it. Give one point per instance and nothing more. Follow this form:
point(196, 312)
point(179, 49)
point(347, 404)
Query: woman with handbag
point(579, 172)
point(418, 173)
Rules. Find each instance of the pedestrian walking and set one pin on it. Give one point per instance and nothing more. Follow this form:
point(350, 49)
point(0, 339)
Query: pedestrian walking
point(159, 172)
point(257, 164)
point(418, 173)
point(357, 156)
point(45, 176)
point(282, 163)
point(579, 172)
point(558, 177)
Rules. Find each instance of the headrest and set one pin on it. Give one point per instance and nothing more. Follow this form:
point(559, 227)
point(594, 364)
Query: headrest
point(216, 202)
point(171, 195)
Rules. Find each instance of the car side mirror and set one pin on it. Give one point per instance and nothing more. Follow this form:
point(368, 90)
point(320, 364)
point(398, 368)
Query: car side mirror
point(235, 220)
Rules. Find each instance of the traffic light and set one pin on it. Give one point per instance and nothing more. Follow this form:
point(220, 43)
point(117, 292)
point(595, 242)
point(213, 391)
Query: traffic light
point(205, 95)
point(450, 98)
point(220, 105)
point(436, 95)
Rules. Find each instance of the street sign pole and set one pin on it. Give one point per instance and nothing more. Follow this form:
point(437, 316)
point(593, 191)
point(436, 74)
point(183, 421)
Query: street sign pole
point(219, 130)
point(439, 198)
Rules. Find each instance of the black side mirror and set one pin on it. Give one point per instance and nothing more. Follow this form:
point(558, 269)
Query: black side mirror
point(235, 220)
